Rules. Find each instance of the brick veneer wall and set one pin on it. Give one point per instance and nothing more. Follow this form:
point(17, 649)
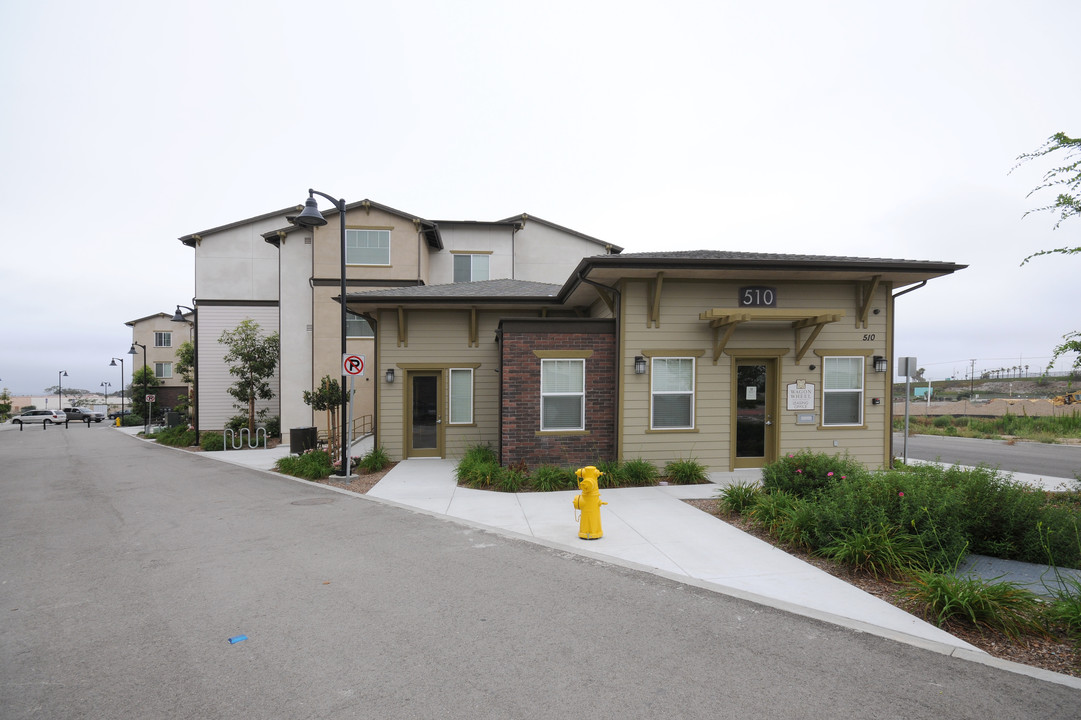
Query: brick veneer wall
point(521, 440)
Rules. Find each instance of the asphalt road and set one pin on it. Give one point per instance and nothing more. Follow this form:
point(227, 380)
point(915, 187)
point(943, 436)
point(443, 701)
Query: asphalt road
point(1061, 461)
point(125, 568)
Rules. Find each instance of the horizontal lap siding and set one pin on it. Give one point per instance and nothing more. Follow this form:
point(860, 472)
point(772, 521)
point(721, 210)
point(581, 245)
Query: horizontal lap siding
point(441, 338)
point(680, 329)
point(214, 377)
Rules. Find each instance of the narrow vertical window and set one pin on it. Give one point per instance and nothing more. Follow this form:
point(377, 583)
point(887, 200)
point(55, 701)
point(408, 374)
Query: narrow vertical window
point(563, 394)
point(461, 396)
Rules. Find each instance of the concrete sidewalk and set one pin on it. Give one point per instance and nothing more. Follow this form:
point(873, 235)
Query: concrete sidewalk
point(652, 529)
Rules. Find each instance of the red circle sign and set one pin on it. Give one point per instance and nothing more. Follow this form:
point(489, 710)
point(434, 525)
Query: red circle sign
point(353, 365)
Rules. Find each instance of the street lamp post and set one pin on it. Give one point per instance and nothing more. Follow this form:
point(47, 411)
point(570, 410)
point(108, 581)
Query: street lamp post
point(112, 363)
point(310, 218)
point(146, 421)
point(105, 384)
point(193, 401)
point(60, 389)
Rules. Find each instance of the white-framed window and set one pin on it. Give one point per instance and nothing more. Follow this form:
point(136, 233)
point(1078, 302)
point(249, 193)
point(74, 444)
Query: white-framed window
point(356, 326)
point(471, 268)
point(842, 390)
point(461, 396)
point(163, 369)
point(672, 393)
point(563, 394)
point(163, 339)
point(367, 247)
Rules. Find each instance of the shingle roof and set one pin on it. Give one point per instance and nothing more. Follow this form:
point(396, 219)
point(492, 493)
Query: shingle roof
point(727, 255)
point(489, 289)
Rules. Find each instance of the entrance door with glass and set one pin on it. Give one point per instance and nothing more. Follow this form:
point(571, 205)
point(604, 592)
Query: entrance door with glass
point(424, 431)
point(754, 410)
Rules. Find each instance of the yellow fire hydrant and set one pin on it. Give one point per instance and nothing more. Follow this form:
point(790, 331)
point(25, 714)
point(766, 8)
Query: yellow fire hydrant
point(589, 503)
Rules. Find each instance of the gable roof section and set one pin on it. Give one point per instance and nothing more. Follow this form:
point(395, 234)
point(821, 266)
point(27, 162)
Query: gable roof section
point(429, 229)
point(481, 292)
point(719, 264)
point(194, 238)
point(525, 217)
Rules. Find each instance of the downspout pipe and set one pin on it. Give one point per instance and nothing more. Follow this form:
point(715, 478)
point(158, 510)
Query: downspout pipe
point(618, 354)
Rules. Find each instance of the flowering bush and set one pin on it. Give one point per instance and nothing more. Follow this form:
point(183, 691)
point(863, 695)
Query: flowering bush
point(805, 473)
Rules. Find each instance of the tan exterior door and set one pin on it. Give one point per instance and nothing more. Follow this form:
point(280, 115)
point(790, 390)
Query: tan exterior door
point(754, 412)
point(424, 414)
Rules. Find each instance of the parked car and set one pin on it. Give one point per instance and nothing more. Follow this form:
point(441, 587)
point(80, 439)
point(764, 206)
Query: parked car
point(46, 417)
point(76, 414)
point(114, 414)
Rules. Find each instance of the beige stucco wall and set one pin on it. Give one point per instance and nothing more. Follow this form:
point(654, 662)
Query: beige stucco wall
point(295, 329)
point(142, 332)
point(680, 329)
point(547, 254)
point(404, 246)
point(237, 264)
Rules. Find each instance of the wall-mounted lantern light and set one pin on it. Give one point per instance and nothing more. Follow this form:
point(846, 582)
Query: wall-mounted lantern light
point(390, 375)
point(879, 363)
point(639, 365)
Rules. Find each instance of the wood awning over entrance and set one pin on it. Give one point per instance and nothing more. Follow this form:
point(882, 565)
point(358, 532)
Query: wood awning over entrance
point(724, 322)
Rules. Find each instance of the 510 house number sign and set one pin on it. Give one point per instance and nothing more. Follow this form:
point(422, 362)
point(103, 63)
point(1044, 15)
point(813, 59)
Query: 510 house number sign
point(758, 296)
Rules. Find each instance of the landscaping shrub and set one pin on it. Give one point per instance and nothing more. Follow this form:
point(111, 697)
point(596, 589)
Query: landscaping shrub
point(179, 436)
point(686, 472)
point(549, 478)
point(613, 474)
point(274, 427)
point(739, 497)
point(478, 467)
point(638, 472)
point(374, 460)
point(310, 465)
point(511, 480)
point(881, 549)
point(211, 441)
point(771, 509)
point(1003, 606)
point(805, 473)
point(131, 420)
point(1065, 609)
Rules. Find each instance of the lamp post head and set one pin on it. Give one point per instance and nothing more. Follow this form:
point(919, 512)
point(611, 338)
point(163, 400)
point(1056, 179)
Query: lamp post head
point(177, 316)
point(132, 351)
point(311, 217)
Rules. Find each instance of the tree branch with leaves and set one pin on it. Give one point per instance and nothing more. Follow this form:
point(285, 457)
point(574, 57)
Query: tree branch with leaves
point(252, 359)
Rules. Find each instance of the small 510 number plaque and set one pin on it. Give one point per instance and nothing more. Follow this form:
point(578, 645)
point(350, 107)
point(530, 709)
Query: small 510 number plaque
point(757, 296)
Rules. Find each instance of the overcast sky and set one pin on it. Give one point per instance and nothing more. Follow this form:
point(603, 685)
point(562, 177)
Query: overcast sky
point(834, 128)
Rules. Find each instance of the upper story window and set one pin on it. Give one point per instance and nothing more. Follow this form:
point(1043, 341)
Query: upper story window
point(672, 393)
point(842, 390)
point(470, 268)
point(163, 370)
point(367, 247)
point(163, 339)
point(563, 394)
point(356, 326)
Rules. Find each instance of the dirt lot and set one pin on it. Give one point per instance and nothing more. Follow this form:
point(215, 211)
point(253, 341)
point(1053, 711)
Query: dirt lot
point(996, 407)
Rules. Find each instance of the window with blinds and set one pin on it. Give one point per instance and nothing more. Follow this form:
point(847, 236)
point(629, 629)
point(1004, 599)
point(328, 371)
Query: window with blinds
point(461, 396)
point(842, 390)
point(672, 393)
point(563, 394)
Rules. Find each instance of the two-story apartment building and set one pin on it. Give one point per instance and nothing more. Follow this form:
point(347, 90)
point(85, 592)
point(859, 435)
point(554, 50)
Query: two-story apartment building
point(161, 337)
point(287, 278)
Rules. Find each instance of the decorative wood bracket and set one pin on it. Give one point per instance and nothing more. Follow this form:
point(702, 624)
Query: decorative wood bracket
point(865, 294)
point(403, 332)
point(474, 339)
point(818, 322)
point(653, 319)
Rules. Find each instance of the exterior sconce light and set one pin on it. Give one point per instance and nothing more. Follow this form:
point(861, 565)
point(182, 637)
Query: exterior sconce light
point(879, 363)
point(390, 375)
point(639, 365)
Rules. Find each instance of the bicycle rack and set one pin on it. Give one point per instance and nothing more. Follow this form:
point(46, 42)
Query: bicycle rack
point(237, 439)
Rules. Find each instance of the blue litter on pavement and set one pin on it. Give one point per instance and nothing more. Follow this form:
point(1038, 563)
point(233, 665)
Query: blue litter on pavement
point(238, 638)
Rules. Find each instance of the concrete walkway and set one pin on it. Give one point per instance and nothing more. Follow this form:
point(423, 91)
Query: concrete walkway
point(652, 529)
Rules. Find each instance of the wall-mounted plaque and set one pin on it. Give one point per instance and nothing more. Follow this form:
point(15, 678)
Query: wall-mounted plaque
point(801, 395)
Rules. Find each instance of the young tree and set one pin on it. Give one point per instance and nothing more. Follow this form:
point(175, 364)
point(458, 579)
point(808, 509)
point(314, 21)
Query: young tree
point(185, 367)
point(141, 377)
point(328, 397)
point(252, 358)
point(5, 404)
point(1066, 178)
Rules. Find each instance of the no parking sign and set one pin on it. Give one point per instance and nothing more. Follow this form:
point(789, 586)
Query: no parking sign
point(353, 364)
